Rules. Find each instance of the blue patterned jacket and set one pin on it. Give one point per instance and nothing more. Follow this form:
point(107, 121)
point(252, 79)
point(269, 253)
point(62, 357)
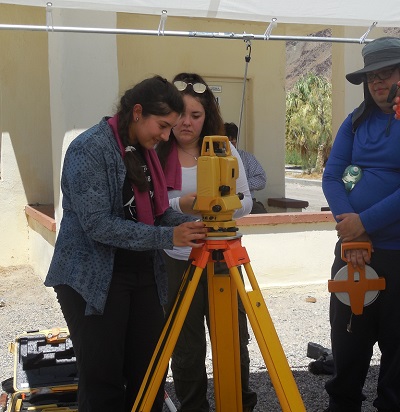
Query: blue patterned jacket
point(93, 223)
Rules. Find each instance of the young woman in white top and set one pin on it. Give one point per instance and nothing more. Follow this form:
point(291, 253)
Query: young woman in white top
point(179, 158)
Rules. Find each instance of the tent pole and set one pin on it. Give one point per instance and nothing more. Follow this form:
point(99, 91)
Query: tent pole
point(213, 35)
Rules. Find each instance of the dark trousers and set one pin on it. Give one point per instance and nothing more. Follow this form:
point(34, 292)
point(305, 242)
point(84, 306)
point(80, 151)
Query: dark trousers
point(352, 352)
point(113, 350)
point(188, 358)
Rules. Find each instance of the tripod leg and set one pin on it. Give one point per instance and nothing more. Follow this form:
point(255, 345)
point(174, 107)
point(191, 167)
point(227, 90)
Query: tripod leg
point(165, 346)
point(268, 342)
point(224, 334)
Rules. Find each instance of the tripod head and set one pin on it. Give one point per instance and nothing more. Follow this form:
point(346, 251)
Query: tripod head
point(217, 171)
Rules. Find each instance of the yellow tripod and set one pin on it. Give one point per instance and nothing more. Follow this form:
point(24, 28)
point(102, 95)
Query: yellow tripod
point(224, 330)
point(217, 171)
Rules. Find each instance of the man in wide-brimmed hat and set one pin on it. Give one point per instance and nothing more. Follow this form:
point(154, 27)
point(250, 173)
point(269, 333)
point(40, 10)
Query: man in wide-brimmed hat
point(369, 138)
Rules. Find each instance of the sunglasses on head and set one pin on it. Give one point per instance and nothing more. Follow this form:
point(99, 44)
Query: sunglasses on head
point(197, 87)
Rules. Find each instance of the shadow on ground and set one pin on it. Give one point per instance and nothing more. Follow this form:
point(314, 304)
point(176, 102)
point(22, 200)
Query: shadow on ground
point(311, 388)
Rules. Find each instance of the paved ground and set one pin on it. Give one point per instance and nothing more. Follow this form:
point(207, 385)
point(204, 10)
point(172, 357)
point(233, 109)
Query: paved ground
point(306, 189)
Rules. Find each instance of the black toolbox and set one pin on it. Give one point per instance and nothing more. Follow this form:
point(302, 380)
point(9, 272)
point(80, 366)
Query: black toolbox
point(45, 372)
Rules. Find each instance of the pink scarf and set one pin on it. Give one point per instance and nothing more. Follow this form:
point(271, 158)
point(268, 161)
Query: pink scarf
point(173, 169)
point(144, 207)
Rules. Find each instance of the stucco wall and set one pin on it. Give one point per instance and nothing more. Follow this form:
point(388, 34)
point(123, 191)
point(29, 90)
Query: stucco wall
point(14, 232)
point(294, 248)
point(142, 56)
point(26, 160)
point(83, 81)
point(41, 247)
point(53, 85)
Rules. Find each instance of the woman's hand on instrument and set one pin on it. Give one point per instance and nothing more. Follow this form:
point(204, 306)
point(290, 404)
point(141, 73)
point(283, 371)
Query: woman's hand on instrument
point(188, 233)
point(186, 203)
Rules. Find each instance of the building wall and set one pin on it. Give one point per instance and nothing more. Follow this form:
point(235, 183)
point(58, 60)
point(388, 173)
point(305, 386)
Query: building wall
point(142, 56)
point(26, 159)
point(289, 249)
point(14, 248)
point(41, 242)
point(54, 85)
point(83, 81)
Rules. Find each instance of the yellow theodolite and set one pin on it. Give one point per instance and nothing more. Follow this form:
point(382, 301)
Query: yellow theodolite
point(217, 171)
point(216, 201)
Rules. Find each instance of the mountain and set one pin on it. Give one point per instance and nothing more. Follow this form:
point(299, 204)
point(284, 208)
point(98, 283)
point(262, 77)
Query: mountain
point(305, 57)
point(315, 57)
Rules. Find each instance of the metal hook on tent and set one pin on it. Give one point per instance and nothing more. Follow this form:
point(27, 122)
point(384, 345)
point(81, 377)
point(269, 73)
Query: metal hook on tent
point(49, 16)
point(364, 36)
point(248, 47)
point(270, 27)
point(163, 19)
point(247, 60)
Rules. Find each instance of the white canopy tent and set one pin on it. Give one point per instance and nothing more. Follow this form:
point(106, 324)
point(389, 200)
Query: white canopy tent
point(337, 12)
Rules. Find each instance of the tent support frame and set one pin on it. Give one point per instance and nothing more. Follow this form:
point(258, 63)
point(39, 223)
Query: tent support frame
point(190, 34)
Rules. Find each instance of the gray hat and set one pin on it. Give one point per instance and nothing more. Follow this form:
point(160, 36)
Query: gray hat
point(380, 53)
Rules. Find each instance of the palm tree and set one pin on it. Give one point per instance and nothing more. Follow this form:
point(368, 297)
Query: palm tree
point(309, 121)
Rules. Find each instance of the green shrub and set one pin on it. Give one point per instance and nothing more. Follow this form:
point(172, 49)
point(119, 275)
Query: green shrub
point(309, 121)
point(293, 157)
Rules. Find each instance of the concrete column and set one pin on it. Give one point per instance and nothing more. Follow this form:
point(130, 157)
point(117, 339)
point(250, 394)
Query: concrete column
point(83, 75)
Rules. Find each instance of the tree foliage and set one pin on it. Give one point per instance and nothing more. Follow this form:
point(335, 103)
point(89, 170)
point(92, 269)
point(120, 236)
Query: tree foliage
point(309, 121)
